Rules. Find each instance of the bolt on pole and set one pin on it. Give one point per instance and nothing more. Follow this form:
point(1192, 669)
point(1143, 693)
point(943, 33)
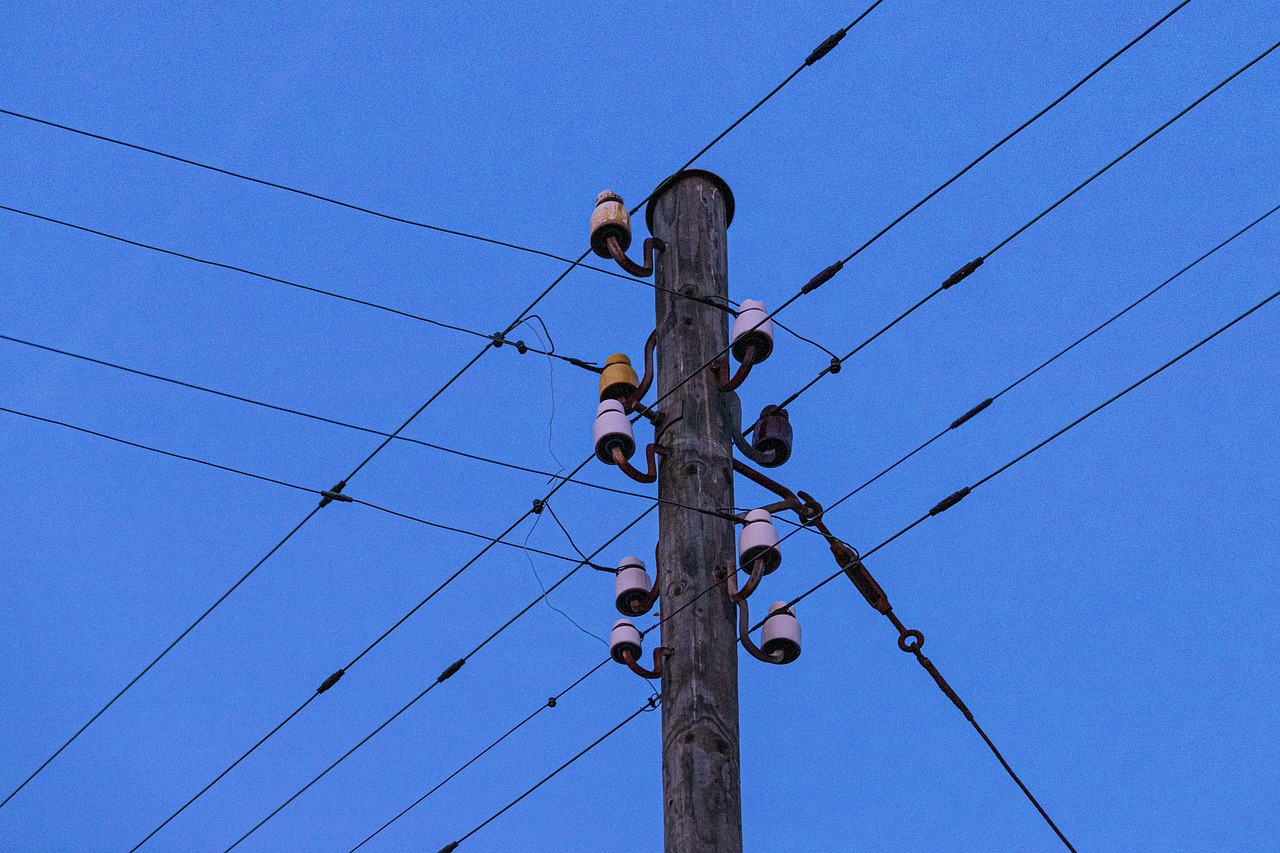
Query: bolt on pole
point(702, 804)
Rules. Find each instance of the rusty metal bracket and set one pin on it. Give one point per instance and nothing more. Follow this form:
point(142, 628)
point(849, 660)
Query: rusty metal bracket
point(744, 626)
point(632, 402)
point(753, 580)
point(650, 476)
point(720, 367)
point(803, 506)
point(659, 654)
point(739, 437)
point(619, 254)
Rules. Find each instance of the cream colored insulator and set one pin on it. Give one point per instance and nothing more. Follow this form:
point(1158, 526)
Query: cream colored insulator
point(624, 638)
point(612, 429)
point(619, 379)
point(781, 635)
point(631, 586)
point(758, 539)
point(752, 327)
point(610, 219)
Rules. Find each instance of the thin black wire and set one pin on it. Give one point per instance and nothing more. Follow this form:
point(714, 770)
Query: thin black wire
point(277, 280)
point(319, 492)
point(542, 586)
point(341, 672)
point(316, 196)
point(347, 425)
point(1026, 124)
point(461, 661)
point(1135, 147)
point(956, 424)
point(835, 268)
point(1062, 352)
point(387, 440)
point(1032, 221)
point(647, 706)
point(997, 472)
point(160, 656)
point(550, 703)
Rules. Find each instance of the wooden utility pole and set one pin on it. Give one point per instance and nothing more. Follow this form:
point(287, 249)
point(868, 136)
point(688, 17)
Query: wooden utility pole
point(702, 803)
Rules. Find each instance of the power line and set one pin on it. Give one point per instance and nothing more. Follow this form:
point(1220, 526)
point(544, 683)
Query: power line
point(830, 272)
point(160, 656)
point(294, 190)
point(550, 703)
point(447, 673)
point(958, 496)
point(962, 273)
point(647, 706)
point(331, 421)
point(322, 493)
point(984, 404)
point(495, 340)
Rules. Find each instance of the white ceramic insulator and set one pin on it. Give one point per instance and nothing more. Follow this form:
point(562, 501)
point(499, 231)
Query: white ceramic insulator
point(759, 539)
point(781, 632)
point(752, 326)
point(623, 638)
point(612, 429)
point(631, 586)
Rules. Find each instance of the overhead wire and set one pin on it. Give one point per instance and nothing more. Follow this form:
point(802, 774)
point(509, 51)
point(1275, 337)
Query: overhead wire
point(447, 673)
point(650, 705)
point(964, 272)
point(321, 493)
point(984, 404)
point(345, 425)
point(550, 703)
point(294, 190)
point(518, 346)
point(960, 494)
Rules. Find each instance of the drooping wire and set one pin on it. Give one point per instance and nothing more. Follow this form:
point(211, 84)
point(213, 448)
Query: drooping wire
point(542, 586)
point(449, 672)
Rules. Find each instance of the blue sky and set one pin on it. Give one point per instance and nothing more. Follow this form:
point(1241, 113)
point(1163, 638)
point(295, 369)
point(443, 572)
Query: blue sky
point(1105, 608)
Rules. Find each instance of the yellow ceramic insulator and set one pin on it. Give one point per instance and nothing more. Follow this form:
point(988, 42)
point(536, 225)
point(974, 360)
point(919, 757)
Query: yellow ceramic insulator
point(609, 219)
point(619, 379)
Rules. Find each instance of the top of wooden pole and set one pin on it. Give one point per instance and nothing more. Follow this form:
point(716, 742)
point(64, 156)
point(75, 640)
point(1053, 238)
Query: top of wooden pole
point(689, 173)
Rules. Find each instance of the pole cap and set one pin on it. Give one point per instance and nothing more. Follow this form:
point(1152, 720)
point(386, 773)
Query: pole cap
point(689, 173)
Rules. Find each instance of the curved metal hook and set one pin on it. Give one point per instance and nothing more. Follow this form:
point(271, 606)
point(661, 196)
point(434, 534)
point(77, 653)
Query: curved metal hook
point(721, 369)
point(744, 634)
point(631, 403)
point(767, 459)
point(658, 655)
point(807, 509)
point(620, 255)
point(650, 476)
